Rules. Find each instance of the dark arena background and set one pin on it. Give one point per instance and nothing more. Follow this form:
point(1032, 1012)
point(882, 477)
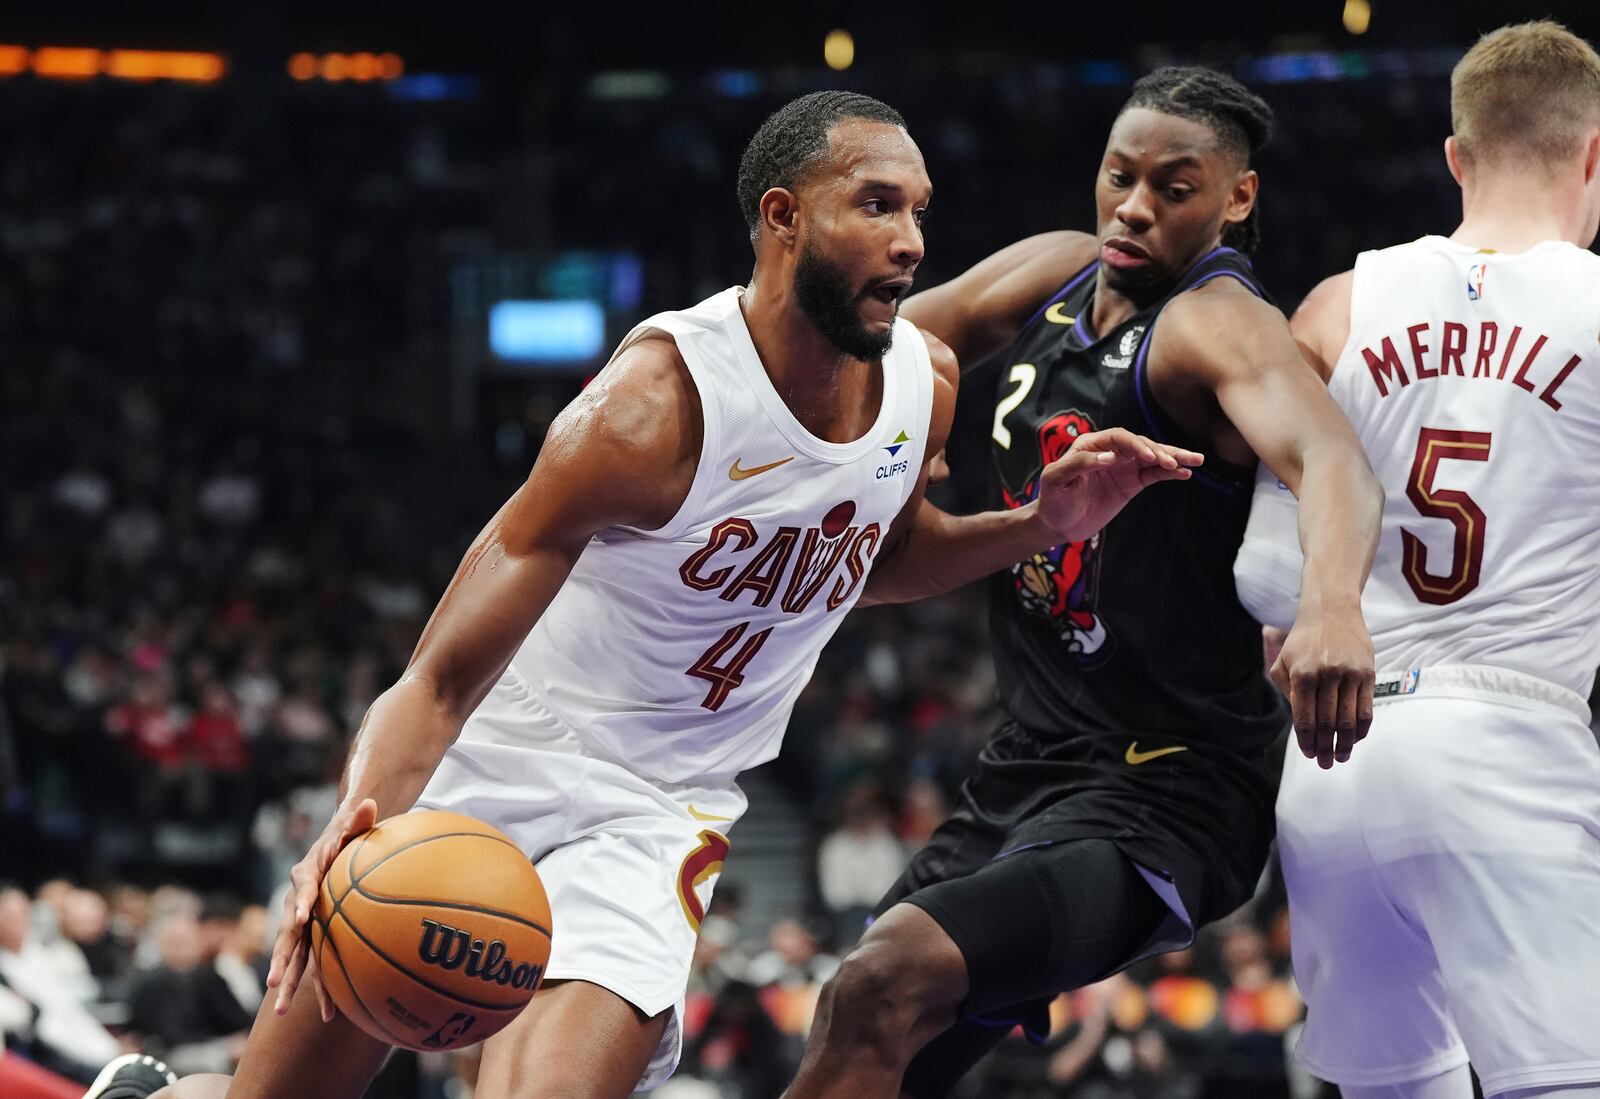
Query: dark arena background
point(289, 295)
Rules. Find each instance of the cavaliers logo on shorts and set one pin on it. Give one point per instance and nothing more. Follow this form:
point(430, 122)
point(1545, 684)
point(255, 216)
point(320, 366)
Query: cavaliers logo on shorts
point(699, 865)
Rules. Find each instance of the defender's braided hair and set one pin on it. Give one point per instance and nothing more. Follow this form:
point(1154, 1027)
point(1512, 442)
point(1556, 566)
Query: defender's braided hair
point(1241, 120)
point(790, 141)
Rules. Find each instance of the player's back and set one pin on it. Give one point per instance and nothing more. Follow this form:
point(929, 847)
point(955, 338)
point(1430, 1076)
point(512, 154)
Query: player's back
point(1472, 378)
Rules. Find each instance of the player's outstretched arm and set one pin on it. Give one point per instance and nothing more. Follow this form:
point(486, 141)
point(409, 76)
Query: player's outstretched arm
point(930, 551)
point(981, 310)
point(1241, 348)
point(639, 414)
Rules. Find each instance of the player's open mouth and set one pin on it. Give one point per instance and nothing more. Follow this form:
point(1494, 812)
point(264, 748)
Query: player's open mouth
point(890, 292)
point(1117, 252)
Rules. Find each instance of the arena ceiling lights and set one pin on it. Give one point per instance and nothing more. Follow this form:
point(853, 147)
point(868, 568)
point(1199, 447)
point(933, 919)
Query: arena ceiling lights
point(86, 63)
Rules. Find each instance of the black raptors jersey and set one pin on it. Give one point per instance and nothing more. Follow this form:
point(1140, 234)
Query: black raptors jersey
point(1138, 631)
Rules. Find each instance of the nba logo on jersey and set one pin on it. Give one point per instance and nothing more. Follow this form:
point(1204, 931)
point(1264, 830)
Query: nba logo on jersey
point(1475, 277)
point(1403, 684)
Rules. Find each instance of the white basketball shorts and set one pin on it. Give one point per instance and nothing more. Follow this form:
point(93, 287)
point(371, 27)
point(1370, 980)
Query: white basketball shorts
point(629, 863)
point(1444, 886)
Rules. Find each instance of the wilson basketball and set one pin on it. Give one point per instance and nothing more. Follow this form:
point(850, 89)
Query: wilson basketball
point(431, 931)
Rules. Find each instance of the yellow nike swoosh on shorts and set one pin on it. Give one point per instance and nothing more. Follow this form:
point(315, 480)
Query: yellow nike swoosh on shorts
point(1136, 757)
point(737, 474)
point(698, 815)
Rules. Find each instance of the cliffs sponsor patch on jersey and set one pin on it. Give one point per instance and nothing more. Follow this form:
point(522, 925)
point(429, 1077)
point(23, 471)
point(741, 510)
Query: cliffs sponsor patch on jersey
point(1061, 584)
point(895, 466)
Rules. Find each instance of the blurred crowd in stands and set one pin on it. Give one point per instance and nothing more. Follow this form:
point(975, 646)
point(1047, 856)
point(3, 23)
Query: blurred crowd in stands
point(231, 499)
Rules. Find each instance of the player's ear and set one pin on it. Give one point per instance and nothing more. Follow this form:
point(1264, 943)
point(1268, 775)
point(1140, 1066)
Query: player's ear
point(1243, 198)
point(1591, 157)
point(1452, 157)
point(779, 208)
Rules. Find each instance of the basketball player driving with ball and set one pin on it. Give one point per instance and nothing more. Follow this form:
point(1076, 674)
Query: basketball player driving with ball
point(631, 630)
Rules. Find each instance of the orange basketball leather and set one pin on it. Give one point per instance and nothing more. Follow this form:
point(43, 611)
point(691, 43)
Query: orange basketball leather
point(432, 931)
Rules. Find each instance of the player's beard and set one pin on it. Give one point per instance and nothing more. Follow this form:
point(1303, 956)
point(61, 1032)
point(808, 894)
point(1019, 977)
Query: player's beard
point(823, 292)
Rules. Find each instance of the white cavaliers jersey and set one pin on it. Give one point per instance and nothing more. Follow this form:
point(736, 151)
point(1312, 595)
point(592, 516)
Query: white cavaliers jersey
point(1473, 379)
point(681, 650)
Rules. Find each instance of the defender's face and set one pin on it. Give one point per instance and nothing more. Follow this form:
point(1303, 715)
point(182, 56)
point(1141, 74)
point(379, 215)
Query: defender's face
point(860, 224)
point(1166, 190)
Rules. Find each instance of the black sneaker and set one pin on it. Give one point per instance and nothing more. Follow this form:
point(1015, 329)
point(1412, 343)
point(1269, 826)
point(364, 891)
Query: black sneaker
point(131, 1076)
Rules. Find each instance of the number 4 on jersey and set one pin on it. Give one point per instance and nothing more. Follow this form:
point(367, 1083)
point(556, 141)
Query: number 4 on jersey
point(725, 678)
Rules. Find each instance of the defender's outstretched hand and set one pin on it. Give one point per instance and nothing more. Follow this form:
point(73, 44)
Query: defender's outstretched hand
point(1081, 491)
point(291, 953)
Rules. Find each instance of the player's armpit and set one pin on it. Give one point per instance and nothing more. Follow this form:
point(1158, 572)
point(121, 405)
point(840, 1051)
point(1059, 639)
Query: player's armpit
point(981, 310)
point(1321, 324)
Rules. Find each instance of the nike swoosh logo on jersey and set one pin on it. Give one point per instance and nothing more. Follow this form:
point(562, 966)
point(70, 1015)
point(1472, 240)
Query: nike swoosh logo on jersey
point(1055, 316)
point(1136, 757)
point(698, 815)
point(737, 474)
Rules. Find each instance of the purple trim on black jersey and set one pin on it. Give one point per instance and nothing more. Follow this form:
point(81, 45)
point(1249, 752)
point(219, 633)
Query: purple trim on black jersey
point(1072, 284)
point(1024, 847)
point(1246, 283)
point(1141, 384)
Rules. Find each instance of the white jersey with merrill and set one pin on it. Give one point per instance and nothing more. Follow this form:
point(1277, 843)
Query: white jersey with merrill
point(680, 651)
point(1473, 380)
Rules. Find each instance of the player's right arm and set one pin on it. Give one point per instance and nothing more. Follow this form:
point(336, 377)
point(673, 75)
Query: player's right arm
point(623, 453)
point(983, 309)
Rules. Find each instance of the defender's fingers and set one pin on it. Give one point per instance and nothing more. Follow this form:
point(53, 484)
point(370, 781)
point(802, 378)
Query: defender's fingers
point(1328, 682)
point(1303, 703)
point(1117, 440)
point(1183, 457)
point(1278, 671)
point(1149, 475)
point(1364, 704)
point(1344, 722)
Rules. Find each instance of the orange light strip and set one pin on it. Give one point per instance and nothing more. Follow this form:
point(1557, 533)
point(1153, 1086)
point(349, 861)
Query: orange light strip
point(83, 63)
point(337, 67)
point(66, 62)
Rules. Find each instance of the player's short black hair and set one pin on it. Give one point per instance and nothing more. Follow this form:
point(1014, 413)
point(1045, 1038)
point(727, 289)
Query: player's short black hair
point(1240, 118)
point(791, 140)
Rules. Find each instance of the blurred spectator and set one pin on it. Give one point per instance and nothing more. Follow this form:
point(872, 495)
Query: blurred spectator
point(184, 1008)
point(62, 1034)
point(234, 934)
point(86, 923)
point(858, 861)
point(923, 808)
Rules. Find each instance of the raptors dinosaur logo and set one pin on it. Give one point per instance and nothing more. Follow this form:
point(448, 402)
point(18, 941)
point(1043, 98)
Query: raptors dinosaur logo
point(1062, 584)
